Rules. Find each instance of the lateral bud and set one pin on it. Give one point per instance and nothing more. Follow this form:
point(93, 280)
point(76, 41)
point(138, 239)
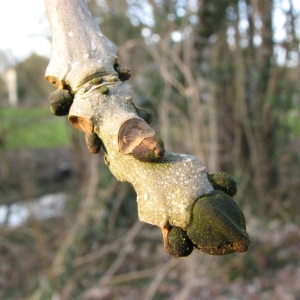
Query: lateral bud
point(123, 71)
point(93, 142)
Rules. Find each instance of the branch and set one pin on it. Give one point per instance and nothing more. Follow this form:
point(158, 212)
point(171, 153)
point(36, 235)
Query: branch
point(84, 66)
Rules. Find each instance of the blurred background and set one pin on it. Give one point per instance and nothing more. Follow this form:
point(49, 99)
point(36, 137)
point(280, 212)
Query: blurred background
point(222, 78)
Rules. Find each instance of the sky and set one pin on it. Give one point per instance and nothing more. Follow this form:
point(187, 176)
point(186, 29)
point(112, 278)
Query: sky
point(24, 28)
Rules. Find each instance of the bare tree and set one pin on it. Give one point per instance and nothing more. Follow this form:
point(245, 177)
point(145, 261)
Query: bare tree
point(174, 191)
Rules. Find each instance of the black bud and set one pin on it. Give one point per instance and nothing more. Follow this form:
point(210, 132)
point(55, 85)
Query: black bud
point(178, 243)
point(60, 102)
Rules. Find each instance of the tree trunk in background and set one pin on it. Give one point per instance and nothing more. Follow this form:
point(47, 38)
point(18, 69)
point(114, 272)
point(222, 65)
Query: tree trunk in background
point(241, 107)
point(266, 88)
point(259, 122)
point(208, 57)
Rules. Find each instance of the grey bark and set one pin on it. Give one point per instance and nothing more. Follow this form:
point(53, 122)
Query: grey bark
point(166, 189)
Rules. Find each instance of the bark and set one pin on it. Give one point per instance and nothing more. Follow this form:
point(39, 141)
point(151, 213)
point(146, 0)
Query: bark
point(84, 63)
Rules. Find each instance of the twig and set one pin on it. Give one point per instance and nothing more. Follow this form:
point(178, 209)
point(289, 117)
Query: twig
point(159, 278)
point(193, 275)
point(117, 279)
point(123, 253)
